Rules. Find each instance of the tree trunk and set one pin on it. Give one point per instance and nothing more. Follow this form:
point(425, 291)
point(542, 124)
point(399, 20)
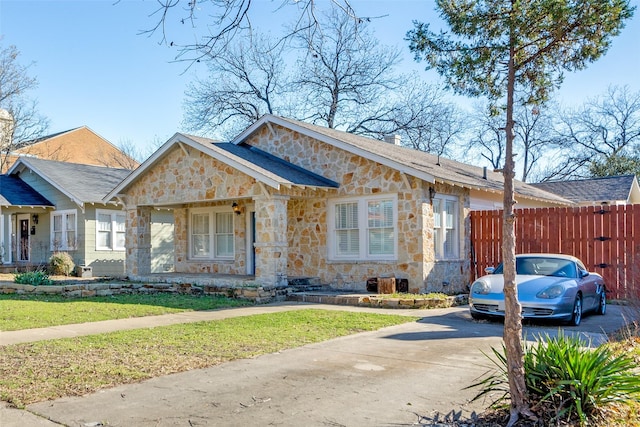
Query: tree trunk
point(512, 334)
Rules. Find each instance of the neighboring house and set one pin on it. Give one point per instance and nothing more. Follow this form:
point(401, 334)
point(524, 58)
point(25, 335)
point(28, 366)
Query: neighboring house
point(288, 199)
point(612, 190)
point(80, 145)
point(48, 206)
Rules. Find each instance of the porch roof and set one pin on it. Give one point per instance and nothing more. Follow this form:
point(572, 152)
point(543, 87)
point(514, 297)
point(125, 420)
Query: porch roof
point(16, 192)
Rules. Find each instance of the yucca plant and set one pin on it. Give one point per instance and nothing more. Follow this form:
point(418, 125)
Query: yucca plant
point(564, 376)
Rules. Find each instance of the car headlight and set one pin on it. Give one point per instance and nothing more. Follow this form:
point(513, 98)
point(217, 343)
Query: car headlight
point(553, 291)
point(480, 287)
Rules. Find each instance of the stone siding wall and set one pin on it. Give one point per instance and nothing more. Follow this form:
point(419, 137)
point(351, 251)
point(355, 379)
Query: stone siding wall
point(307, 227)
point(196, 177)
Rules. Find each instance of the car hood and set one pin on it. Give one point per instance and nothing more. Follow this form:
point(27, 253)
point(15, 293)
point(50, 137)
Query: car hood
point(527, 283)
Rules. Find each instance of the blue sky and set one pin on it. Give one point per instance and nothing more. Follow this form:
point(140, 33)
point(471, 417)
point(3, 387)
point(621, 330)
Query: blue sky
point(95, 68)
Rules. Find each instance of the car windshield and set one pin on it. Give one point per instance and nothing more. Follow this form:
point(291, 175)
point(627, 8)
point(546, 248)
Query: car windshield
point(539, 266)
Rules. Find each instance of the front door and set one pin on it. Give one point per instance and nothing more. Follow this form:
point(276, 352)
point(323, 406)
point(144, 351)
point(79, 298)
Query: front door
point(24, 239)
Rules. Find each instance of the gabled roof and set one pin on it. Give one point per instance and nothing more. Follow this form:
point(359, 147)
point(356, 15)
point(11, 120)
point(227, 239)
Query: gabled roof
point(594, 190)
point(81, 183)
point(428, 167)
point(262, 166)
point(44, 138)
point(16, 192)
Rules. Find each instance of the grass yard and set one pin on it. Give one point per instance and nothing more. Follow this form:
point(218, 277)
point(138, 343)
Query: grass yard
point(38, 311)
point(68, 367)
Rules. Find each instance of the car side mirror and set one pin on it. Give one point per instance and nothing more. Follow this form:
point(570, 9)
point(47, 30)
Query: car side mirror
point(489, 270)
point(583, 273)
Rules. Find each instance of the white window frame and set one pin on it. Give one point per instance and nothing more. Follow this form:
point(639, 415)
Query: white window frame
point(213, 234)
point(451, 222)
point(113, 231)
point(363, 229)
point(64, 240)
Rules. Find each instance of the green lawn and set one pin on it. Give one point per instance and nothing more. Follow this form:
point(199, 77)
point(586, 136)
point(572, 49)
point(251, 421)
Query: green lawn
point(37, 311)
point(67, 367)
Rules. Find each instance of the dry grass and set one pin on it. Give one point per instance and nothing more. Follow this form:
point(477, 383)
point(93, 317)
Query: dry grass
point(69, 367)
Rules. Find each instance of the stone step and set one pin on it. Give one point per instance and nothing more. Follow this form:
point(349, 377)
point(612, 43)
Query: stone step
point(305, 284)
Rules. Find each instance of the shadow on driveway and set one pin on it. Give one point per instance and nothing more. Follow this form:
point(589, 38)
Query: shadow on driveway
point(456, 324)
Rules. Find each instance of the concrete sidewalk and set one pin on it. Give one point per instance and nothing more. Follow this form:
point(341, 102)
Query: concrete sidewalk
point(401, 375)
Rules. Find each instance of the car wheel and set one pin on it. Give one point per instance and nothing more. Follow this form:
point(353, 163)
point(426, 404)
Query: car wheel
point(477, 316)
point(576, 314)
point(602, 306)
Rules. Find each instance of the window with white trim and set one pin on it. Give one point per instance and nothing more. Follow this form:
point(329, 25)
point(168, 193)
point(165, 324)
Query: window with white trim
point(445, 227)
point(363, 229)
point(63, 230)
point(110, 230)
point(211, 234)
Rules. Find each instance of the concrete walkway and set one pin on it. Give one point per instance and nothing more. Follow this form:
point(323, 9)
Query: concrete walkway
point(409, 374)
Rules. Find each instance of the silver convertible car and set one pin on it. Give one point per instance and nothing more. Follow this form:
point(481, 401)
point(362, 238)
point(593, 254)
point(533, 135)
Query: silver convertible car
point(550, 286)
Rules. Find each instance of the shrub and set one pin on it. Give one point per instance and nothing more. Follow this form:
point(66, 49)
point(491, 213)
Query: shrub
point(568, 381)
point(35, 278)
point(61, 264)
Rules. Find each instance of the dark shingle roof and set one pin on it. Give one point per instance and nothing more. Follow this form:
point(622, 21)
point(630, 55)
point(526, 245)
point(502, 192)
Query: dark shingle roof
point(594, 190)
point(286, 172)
point(84, 183)
point(16, 192)
point(270, 166)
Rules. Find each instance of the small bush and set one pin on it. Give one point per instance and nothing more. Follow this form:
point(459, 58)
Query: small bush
point(567, 381)
point(61, 264)
point(35, 278)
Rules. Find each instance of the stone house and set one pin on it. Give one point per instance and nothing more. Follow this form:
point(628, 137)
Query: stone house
point(48, 206)
point(286, 199)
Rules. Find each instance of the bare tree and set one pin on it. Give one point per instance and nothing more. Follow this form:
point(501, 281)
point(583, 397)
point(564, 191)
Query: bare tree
point(125, 156)
point(245, 81)
point(22, 121)
point(487, 136)
point(605, 126)
point(341, 78)
point(344, 73)
point(229, 19)
point(423, 118)
point(536, 136)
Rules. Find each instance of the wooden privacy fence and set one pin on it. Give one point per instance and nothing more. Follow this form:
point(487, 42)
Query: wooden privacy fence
point(606, 239)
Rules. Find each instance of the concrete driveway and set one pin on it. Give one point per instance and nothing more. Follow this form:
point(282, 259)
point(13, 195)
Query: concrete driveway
point(410, 374)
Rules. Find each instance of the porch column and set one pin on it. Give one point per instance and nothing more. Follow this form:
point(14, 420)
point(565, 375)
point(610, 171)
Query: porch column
point(138, 241)
point(271, 239)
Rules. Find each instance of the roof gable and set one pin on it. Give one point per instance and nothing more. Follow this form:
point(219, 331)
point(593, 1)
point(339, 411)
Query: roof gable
point(261, 166)
point(81, 183)
point(79, 145)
